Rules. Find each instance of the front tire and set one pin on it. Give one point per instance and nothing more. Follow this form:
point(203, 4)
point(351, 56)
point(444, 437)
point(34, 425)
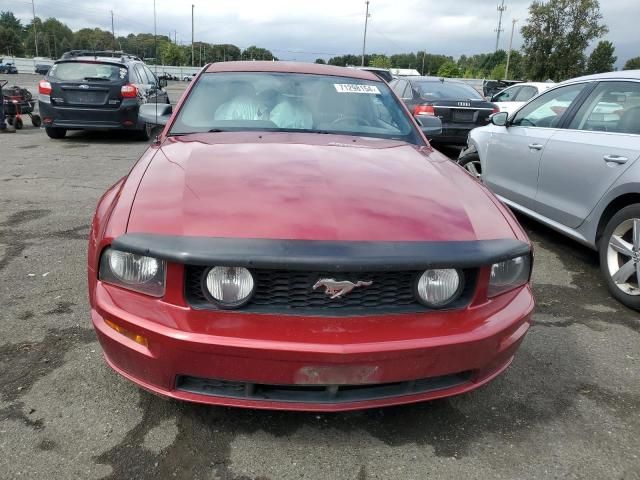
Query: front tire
point(471, 163)
point(56, 133)
point(619, 250)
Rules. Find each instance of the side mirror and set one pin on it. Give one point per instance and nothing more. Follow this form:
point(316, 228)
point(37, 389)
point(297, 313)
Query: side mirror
point(163, 82)
point(155, 113)
point(500, 119)
point(430, 125)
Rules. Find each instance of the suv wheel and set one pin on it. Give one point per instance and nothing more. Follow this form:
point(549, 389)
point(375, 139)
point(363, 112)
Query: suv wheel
point(56, 133)
point(471, 163)
point(620, 256)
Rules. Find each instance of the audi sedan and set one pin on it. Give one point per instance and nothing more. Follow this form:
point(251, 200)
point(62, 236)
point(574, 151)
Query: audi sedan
point(459, 107)
point(291, 241)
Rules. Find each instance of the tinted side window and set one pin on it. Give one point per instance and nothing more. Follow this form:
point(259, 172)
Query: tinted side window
point(548, 109)
point(526, 93)
point(137, 76)
point(507, 95)
point(611, 107)
point(150, 75)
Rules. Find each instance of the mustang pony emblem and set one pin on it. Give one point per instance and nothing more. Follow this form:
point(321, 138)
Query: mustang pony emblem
point(336, 289)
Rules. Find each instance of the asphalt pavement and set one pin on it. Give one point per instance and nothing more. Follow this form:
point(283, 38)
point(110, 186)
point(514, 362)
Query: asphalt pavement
point(568, 407)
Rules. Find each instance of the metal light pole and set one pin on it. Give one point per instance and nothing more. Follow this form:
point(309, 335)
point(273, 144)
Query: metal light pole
point(424, 55)
point(506, 70)
point(113, 32)
point(35, 31)
point(193, 58)
point(364, 41)
point(501, 9)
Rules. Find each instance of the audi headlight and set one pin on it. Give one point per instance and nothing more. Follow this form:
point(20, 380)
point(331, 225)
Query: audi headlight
point(437, 288)
point(229, 287)
point(509, 274)
point(134, 272)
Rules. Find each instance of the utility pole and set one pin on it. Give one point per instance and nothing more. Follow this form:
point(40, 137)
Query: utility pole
point(175, 37)
point(501, 9)
point(424, 54)
point(506, 70)
point(364, 41)
point(193, 58)
point(35, 31)
point(113, 32)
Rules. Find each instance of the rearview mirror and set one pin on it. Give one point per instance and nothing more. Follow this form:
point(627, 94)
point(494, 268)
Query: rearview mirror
point(431, 125)
point(155, 113)
point(500, 119)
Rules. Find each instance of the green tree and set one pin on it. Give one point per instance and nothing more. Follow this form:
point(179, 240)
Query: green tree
point(10, 42)
point(380, 61)
point(602, 58)
point(632, 64)
point(449, 70)
point(256, 53)
point(320, 61)
point(172, 54)
point(556, 35)
point(497, 72)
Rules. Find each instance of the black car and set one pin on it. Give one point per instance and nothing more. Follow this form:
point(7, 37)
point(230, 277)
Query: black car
point(456, 104)
point(42, 68)
point(83, 91)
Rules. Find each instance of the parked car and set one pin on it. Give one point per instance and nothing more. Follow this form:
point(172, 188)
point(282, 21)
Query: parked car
point(167, 76)
point(86, 92)
point(569, 159)
point(512, 98)
point(188, 78)
point(8, 68)
point(459, 107)
point(491, 87)
point(292, 242)
point(404, 72)
point(42, 68)
point(383, 73)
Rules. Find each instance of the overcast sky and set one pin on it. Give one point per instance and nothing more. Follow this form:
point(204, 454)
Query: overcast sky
point(304, 30)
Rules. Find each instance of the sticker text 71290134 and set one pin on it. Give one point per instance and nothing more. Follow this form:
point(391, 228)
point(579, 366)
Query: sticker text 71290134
point(356, 88)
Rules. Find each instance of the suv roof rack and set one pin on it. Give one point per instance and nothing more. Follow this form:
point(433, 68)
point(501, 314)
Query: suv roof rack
point(122, 56)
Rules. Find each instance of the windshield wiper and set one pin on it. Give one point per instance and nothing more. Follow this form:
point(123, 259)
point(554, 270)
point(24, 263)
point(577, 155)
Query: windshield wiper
point(102, 79)
point(216, 130)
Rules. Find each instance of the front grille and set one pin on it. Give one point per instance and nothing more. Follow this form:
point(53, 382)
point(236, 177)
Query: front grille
point(317, 393)
point(291, 292)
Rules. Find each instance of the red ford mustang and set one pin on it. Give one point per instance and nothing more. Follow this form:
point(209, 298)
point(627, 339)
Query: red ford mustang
point(291, 241)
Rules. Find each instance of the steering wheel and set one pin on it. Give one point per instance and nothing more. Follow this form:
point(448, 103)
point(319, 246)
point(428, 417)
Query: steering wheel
point(525, 122)
point(357, 120)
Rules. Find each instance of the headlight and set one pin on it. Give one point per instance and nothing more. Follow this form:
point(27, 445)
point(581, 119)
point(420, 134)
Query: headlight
point(509, 274)
point(229, 287)
point(437, 288)
point(134, 272)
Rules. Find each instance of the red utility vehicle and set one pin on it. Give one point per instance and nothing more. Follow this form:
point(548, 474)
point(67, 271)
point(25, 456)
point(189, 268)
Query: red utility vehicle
point(291, 241)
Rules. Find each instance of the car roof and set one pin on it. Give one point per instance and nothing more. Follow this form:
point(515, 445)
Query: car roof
point(621, 75)
point(291, 67)
point(425, 78)
point(113, 60)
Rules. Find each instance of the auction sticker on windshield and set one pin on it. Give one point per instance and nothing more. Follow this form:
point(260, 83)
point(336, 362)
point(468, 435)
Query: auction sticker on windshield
point(356, 88)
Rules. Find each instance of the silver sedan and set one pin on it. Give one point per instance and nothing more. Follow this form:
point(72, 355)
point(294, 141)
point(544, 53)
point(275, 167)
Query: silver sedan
point(570, 159)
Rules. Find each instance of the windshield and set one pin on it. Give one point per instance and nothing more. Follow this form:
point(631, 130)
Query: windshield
point(293, 102)
point(77, 71)
point(437, 90)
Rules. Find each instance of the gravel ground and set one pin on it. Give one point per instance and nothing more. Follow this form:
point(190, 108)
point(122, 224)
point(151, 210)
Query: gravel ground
point(568, 407)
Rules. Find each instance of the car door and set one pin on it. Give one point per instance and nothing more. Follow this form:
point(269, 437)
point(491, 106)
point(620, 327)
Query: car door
point(511, 164)
point(581, 162)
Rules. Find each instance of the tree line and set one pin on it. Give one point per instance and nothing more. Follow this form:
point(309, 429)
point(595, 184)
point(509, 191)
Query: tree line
point(556, 36)
point(54, 38)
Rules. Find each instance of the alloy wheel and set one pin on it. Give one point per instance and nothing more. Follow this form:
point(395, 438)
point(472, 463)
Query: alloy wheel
point(623, 256)
point(474, 168)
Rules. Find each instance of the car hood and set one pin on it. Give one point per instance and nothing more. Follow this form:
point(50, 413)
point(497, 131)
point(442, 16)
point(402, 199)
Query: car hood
point(310, 187)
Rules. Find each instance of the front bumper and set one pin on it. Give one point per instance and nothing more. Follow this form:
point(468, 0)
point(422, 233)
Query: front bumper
point(248, 360)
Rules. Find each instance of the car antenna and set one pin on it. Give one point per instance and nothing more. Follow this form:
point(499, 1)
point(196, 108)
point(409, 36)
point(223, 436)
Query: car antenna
point(155, 63)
